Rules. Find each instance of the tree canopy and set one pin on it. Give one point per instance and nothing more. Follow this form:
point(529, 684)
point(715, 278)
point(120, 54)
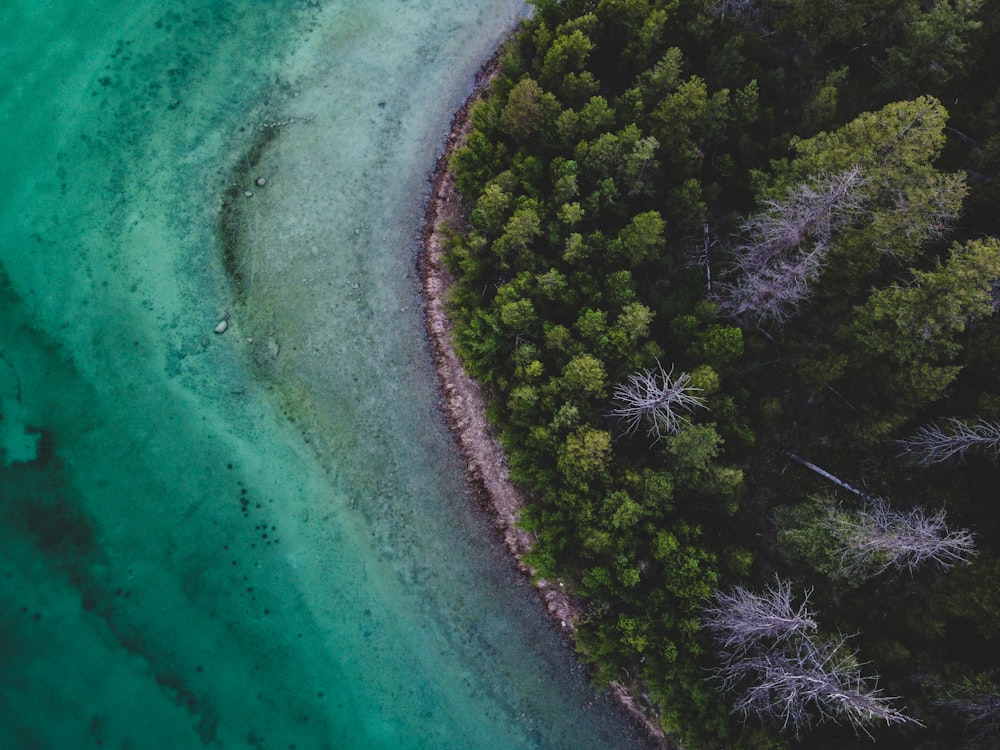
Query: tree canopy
point(704, 238)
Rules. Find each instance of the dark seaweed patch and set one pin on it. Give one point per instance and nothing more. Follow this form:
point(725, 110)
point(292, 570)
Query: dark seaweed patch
point(58, 528)
point(45, 450)
point(231, 226)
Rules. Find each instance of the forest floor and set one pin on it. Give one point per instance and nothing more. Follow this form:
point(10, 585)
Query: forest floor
point(464, 401)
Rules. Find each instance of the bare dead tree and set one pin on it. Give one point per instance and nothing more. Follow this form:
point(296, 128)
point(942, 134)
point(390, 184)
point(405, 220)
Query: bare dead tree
point(736, 8)
point(809, 681)
point(740, 619)
point(785, 246)
point(810, 211)
point(657, 398)
point(880, 537)
point(782, 673)
point(774, 294)
point(936, 444)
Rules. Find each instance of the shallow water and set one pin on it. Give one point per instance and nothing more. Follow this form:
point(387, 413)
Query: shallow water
point(260, 538)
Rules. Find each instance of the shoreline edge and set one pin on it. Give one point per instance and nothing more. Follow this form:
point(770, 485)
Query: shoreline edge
point(464, 403)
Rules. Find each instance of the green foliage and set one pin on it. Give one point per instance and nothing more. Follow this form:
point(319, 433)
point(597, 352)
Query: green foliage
point(584, 455)
point(585, 376)
point(607, 171)
point(563, 67)
point(922, 321)
point(718, 345)
point(642, 240)
point(804, 536)
point(821, 110)
point(692, 451)
point(915, 333)
point(935, 46)
point(492, 209)
point(528, 111)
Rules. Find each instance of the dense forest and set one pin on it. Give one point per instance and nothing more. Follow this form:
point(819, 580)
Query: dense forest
point(729, 275)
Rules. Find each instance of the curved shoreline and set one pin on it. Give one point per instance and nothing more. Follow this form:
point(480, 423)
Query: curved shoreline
point(464, 403)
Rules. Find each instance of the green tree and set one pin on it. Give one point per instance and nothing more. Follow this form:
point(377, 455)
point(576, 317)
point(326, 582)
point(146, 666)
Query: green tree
point(563, 69)
point(688, 120)
point(492, 209)
point(518, 233)
point(643, 238)
point(528, 110)
point(519, 316)
point(595, 116)
point(909, 201)
point(912, 334)
point(693, 451)
point(585, 376)
point(922, 320)
point(934, 46)
point(585, 454)
point(852, 198)
point(663, 78)
point(634, 322)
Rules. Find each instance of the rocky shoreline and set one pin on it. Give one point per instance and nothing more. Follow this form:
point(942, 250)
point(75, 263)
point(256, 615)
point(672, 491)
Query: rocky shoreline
point(464, 402)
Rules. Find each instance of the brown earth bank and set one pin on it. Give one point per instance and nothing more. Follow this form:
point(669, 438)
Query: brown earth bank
point(464, 402)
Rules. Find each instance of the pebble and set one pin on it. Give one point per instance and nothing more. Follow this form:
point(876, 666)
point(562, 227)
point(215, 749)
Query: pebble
point(261, 182)
point(248, 194)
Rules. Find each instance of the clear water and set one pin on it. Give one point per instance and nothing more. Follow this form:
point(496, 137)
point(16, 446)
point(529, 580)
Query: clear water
point(260, 538)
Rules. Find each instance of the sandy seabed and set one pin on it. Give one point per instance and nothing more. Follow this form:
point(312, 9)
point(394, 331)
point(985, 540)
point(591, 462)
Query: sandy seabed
point(464, 401)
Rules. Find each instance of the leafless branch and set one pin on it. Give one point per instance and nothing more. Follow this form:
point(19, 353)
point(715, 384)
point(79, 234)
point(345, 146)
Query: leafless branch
point(742, 618)
point(936, 444)
point(810, 211)
point(785, 246)
point(742, 11)
point(782, 673)
point(880, 537)
point(809, 681)
point(656, 397)
point(704, 258)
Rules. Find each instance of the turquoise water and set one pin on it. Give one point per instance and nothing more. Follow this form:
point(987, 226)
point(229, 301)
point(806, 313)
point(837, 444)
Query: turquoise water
point(260, 538)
